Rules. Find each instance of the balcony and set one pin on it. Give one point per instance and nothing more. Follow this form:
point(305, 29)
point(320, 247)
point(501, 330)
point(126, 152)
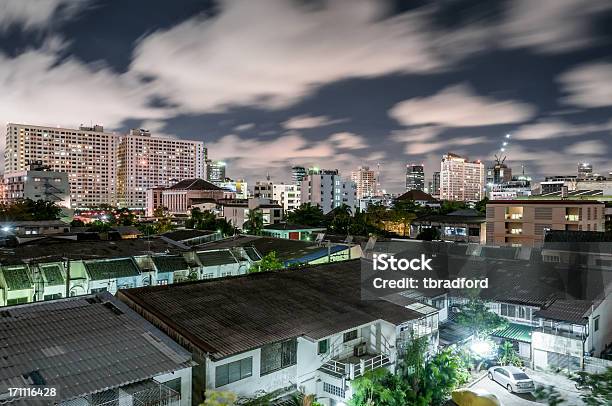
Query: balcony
point(355, 366)
point(572, 217)
point(514, 216)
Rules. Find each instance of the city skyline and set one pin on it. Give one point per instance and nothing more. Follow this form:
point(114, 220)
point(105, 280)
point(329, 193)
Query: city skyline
point(391, 84)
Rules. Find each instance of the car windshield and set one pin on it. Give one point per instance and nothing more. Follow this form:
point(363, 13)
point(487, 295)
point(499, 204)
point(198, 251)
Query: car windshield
point(520, 376)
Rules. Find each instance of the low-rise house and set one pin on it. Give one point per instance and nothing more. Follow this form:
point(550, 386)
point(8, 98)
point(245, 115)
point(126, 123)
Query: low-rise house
point(236, 211)
point(279, 332)
point(221, 263)
point(93, 350)
point(462, 226)
point(50, 281)
point(33, 228)
point(112, 274)
point(419, 198)
point(167, 266)
point(292, 231)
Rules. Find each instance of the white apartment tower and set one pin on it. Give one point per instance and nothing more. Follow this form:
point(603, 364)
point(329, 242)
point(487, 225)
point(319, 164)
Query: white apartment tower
point(86, 154)
point(145, 162)
point(461, 179)
point(365, 182)
point(327, 189)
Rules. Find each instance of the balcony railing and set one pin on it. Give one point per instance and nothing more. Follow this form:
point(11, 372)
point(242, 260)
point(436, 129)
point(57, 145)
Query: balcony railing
point(354, 367)
point(514, 216)
point(572, 217)
point(152, 394)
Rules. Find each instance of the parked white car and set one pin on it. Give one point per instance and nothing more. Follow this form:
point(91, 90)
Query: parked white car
point(512, 378)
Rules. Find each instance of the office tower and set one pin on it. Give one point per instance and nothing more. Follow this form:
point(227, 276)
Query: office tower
point(365, 182)
point(585, 170)
point(297, 174)
point(415, 177)
point(327, 189)
point(435, 184)
point(461, 179)
point(215, 171)
point(145, 162)
point(86, 154)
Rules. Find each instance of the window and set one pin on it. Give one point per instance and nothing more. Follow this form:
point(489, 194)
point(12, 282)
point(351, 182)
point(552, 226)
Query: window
point(174, 384)
point(233, 371)
point(349, 336)
point(333, 390)
point(596, 324)
point(15, 301)
point(508, 310)
point(53, 296)
point(278, 356)
point(323, 346)
point(98, 290)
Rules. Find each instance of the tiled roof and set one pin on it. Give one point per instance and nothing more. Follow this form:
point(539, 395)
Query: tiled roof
point(17, 277)
point(81, 346)
point(573, 311)
point(53, 275)
point(194, 184)
point(418, 195)
point(232, 315)
point(111, 269)
point(170, 263)
point(214, 258)
point(186, 234)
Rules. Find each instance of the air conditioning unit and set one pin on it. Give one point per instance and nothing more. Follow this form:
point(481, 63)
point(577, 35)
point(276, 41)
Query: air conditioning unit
point(359, 350)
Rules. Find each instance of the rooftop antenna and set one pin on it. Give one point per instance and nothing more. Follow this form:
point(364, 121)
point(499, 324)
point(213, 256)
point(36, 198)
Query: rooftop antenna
point(500, 158)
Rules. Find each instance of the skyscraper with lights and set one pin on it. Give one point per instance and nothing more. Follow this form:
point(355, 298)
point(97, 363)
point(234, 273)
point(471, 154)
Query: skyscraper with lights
point(461, 179)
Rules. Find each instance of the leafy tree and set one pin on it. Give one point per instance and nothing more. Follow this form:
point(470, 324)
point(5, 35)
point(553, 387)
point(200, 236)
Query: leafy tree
point(28, 210)
point(225, 227)
point(303, 400)
point(597, 388)
point(378, 388)
point(444, 372)
point(99, 226)
point(341, 219)
point(307, 215)
point(449, 206)
point(507, 355)
point(124, 217)
point(476, 316)
point(77, 223)
point(549, 395)
point(254, 223)
point(163, 222)
point(269, 262)
point(481, 206)
point(218, 398)
point(428, 234)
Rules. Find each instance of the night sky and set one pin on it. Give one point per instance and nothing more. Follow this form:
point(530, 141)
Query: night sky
point(337, 84)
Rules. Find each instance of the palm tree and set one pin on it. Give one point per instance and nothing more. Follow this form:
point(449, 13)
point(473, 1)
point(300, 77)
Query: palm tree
point(254, 223)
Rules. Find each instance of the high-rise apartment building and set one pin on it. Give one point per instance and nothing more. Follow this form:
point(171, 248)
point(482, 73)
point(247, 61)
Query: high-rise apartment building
point(435, 185)
point(297, 174)
point(36, 183)
point(215, 171)
point(461, 179)
point(327, 189)
point(288, 196)
point(415, 177)
point(86, 154)
point(365, 182)
point(145, 162)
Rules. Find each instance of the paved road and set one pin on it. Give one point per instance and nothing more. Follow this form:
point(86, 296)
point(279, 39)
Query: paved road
point(561, 383)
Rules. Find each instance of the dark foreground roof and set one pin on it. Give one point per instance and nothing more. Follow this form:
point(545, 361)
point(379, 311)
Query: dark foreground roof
point(82, 345)
point(236, 314)
point(418, 195)
point(286, 226)
point(186, 234)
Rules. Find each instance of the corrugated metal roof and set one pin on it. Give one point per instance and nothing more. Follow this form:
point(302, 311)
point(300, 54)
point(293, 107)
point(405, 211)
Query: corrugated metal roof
point(573, 311)
point(515, 331)
point(83, 345)
point(252, 253)
point(111, 269)
point(232, 315)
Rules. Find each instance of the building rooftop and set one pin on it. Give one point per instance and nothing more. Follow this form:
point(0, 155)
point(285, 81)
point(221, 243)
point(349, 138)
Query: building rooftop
point(82, 345)
point(216, 257)
point(573, 311)
point(521, 202)
point(16, 277)
point(285, 249)
point(56, 249)
point(286, 226)
point(231, 315)
point(113, 268)
point(417, 195)
point(186, 234)
point(170, 263)
point(457, 217)
point(194, 184)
